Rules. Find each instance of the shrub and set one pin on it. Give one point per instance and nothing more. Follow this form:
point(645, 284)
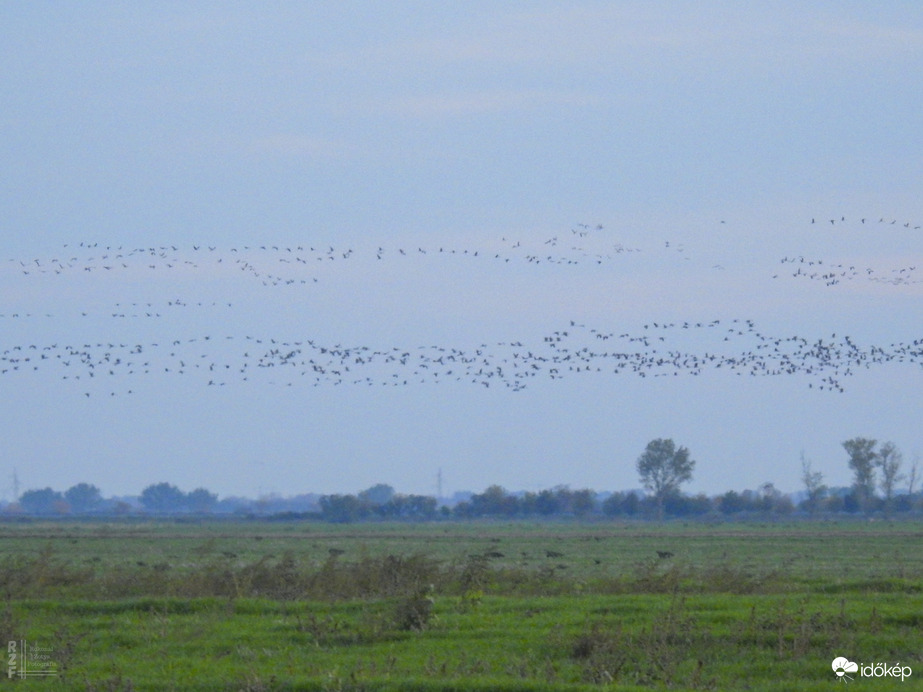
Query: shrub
point(415, 611)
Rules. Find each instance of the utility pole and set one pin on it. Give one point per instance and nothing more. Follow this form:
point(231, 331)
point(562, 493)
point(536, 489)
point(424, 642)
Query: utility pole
point(439, 484)
point(15, 486)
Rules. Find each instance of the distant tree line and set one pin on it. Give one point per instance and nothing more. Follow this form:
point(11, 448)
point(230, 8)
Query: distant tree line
point(86, 499)
point(167, 498)
point(564, 502)
point(662, 469)
point(378, 502)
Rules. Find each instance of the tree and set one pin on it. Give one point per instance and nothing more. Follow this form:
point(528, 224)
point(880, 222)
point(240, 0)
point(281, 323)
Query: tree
point(621, 503)
point(771, 500)
point(663, 468)
point(341, 508)
point(493, 502)
point(200, 500)
point(732, 502)
point(813, 485)
point(379, 494)
point(684, 505)
point(583, 502)
point(631, 504)
point(83, 497)
point(409, 507)
point(889, 460)
point(547, 502)
point(163, 497)
point(862, 459)
point(44, 501)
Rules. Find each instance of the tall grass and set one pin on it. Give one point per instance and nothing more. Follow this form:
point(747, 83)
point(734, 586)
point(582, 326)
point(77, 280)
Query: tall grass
point(52, 575)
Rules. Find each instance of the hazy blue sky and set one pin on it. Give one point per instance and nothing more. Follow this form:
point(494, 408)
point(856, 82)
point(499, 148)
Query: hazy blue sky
point(328, 151)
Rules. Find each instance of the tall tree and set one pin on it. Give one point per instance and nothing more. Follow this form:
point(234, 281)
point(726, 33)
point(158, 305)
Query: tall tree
point(889, 461)
point(813, 485)
point(663, 467)
point(862, 460)
point(912, 477)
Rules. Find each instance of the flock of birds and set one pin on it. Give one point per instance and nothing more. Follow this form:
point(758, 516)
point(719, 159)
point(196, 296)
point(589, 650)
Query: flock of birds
point(563, 353)
point(117, 366)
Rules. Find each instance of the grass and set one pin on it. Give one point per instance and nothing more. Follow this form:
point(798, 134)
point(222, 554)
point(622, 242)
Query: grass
point(256, 606)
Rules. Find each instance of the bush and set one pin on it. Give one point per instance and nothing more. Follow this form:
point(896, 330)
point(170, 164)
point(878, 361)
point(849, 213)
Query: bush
point(415, 611)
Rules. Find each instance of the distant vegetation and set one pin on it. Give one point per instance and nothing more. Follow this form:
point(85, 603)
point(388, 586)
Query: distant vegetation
point(662, 468)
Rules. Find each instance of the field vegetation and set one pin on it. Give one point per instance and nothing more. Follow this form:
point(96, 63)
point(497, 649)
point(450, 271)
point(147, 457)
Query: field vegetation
point(465, 606)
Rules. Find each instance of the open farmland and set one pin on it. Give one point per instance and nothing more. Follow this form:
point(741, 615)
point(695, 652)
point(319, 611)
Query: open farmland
point(256, 605)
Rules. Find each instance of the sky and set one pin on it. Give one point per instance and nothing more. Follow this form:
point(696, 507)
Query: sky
point(289, 247)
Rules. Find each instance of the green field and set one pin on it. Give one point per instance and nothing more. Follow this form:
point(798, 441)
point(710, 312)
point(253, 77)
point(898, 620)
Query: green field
point(466, 606)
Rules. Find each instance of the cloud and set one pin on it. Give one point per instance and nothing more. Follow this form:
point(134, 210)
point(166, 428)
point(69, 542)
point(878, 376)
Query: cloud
point(564, 34)
point(489, 101)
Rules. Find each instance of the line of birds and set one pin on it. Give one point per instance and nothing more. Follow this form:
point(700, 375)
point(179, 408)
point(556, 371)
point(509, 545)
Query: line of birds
point(654, 351)
point(126, 310)
point(833, 273)
point(882, 219)
point(275, 265)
